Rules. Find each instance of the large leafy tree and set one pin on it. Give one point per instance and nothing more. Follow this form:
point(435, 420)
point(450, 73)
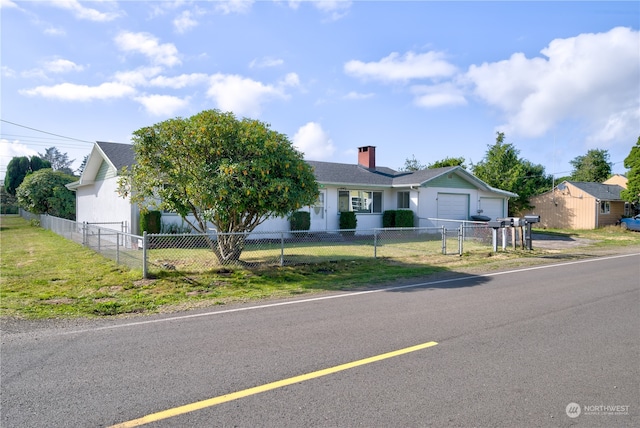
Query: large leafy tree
point(448, 162)
point(503, 169)
point(213, 168)
point(632, 163)
point(44, 192)
point(18, 168)
point(59, 161)
point(592, 167)
point(411, 165)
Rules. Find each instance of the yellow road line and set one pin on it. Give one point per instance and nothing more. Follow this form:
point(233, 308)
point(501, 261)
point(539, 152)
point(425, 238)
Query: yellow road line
point(169, 413)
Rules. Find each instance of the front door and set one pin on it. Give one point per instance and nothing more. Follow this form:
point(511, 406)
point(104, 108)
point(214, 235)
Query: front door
point(319, 213)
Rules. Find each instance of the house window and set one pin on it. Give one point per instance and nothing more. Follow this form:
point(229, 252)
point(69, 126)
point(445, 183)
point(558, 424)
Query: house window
point(403, 200)
point(360, 201)
point(605, 208)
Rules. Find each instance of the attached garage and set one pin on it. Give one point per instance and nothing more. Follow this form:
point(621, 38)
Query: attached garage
point(492, 207)
point(453, 206)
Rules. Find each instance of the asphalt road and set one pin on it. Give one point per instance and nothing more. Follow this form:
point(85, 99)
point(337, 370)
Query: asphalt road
point(513, 349)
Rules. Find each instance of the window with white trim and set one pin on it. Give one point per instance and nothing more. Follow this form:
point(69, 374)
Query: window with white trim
point(360, 201)
point(605, 207)
point(403, 200)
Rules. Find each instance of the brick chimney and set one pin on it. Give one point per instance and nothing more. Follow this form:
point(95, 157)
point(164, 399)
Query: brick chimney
point(367, 157)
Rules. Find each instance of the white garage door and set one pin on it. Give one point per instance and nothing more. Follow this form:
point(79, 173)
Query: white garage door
point(453, 206)
point(492, 207)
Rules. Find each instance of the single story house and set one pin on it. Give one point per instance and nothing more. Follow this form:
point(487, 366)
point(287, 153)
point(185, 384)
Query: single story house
point(443, 193)
point(580, 205)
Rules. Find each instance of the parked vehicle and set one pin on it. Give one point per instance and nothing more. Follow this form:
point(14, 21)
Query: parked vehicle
point(632, 223)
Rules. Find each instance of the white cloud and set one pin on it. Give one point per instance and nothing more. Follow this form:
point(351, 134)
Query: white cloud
point(62, 66)
point(445, 94)
point(233, 6)
point(54, 31)
point(8, 4)
point(240, 95)
point(138, 77)
point(591, 78)
point(402, 68)
point(358, 96)
point(184, 22)
point(266, 62)
point(73, 92)
point(7, 72)
point(162, 105)
point(11, 149)
point(335, 8)
point(181, 81)
point(314, 142)
point(148, 45)
point(82, 12)
point(291, 79)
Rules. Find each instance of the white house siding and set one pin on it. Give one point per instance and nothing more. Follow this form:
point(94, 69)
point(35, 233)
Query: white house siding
point(96, 203)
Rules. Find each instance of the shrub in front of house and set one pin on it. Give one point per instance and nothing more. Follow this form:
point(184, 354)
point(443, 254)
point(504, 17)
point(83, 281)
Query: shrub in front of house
point(397, 218)
point(389, 218)
point(300, 220)
point(348, 220)
point(150, 222)
point(404, 218)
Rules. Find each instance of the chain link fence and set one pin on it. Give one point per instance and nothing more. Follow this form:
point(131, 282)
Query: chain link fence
point(193, 253)
point(201, 252)
point(109, 238)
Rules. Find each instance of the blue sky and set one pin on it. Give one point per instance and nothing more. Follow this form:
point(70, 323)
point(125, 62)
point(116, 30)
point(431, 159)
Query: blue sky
point(416, 78)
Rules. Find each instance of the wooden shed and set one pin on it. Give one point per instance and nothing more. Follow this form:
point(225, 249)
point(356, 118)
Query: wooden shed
point(579, 205)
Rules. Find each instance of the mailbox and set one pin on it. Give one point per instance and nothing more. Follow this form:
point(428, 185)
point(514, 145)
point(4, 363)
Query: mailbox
point(496, 224)
point(512, 221)
point(530, 219)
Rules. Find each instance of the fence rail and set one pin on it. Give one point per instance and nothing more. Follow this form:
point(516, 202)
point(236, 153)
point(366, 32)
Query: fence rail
point(192, 252)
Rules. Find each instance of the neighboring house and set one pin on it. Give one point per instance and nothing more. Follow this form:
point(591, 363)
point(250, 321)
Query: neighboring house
point(618, 179)
point(579, 205)
point(443, 193)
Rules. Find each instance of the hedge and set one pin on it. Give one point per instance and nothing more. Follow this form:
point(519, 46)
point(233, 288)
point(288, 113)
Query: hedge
point(150, 222)
point(300, 220)
point(397, 218)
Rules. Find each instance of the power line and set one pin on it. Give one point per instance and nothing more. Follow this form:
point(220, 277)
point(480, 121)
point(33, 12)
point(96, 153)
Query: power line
point(45, 132)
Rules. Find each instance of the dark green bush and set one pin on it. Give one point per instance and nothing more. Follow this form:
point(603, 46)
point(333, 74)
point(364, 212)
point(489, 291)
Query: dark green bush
point(150, 222)
point(389, 218)
point(9, 209)
point(348, 220)
point(300, 220)
point(404, 218)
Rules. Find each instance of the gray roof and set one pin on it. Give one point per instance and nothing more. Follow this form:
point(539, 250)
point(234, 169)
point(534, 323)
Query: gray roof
point(333, 173)
point(604, 192)
point(342, 173)
point(119, 154)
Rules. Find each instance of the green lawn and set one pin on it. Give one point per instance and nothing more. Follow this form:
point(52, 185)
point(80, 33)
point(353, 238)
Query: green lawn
point(43, 275)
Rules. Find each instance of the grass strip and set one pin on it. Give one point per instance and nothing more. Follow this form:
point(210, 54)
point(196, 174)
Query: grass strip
point(43, 275)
